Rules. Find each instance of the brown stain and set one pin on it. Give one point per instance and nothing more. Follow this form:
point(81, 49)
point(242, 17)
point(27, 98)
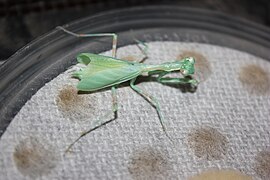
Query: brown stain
point(208, 143)
point(255, 79)
point(262, 164)
point(74, 106)
point(68, 97)
point(202, 65)
point(33, 159)
point(129, 58)
point(148, 164)
point(226, 174)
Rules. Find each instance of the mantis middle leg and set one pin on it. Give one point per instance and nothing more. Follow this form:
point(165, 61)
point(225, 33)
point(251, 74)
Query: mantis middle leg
point(152, 101)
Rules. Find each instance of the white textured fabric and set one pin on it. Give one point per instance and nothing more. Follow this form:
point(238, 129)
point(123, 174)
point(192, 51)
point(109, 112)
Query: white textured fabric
point(120, 150)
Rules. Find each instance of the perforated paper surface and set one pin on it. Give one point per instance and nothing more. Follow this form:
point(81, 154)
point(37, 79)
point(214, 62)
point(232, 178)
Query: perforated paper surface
point(134, 145)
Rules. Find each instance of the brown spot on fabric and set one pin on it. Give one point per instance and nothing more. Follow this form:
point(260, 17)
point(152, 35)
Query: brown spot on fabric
point(75, 106)
point(262, 164)
point(148, 164)
point(33, 159)
point(221, 175)
point(255, 79)
point(129, 58)
point(68, 97)
point(208, 143)
point(202, 65)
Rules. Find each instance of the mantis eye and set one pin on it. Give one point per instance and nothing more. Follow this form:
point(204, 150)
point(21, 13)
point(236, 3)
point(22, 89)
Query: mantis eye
point(184, 72)
point(191, 59)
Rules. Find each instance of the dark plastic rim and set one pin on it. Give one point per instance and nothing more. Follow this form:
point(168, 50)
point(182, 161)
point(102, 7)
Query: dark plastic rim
point(23, 68)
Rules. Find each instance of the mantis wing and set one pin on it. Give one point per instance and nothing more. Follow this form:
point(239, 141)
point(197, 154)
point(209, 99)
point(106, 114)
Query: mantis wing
point(103, 71)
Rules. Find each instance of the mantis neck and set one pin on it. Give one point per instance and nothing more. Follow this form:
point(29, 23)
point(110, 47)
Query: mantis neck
point(169, 66)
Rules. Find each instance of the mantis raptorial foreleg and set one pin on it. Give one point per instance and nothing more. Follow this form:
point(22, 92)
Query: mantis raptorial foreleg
point(151, 100)
point(168, 80)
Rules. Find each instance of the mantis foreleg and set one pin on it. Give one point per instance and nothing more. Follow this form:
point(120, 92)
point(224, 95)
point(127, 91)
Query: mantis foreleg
point(168, 80)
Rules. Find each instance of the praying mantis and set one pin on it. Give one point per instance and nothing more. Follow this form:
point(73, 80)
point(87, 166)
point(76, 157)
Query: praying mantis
point(104, 71)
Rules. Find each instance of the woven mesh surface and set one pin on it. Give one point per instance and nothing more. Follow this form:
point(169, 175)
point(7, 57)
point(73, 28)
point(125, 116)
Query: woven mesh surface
point(134, 146)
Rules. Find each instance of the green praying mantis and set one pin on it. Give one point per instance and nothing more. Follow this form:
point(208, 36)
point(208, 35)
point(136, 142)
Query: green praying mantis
point(103, 71)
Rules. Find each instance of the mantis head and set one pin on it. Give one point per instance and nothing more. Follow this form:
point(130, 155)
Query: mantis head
point(187, 67)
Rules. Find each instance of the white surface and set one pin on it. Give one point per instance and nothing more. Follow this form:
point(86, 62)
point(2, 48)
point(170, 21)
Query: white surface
point(220, 102)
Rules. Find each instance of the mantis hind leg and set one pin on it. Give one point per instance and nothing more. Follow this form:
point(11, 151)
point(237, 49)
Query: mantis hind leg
point(98, 122)
point(153, 102)
point(114, 95)
point(114, 102)
point(113, 35)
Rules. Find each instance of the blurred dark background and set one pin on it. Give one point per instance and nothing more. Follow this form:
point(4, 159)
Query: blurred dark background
point(21, 21)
